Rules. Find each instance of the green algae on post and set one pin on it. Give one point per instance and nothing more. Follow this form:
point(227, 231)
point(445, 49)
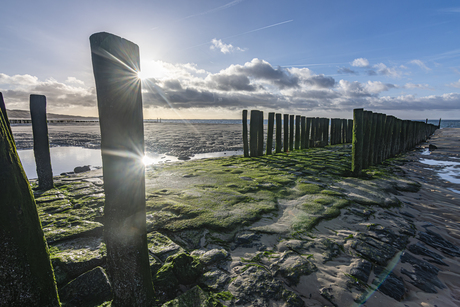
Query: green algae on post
point(358, 139)
point(119, 100)
point(26, 274)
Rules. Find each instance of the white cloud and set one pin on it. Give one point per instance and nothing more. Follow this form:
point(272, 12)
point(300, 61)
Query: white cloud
point(376, 87)
point(224, 48)
point(360, 62)
point(455, 84)
point(74, 80)
point(18, 79)
point(384, 70)
point(420, 64)
point(414, 86)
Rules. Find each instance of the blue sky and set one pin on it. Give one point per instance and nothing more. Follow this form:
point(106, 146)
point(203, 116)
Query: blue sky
point(211, 59)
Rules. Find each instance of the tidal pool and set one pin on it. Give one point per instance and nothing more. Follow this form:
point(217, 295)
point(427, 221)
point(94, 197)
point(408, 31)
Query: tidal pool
point(65, 159)
point(447, 170)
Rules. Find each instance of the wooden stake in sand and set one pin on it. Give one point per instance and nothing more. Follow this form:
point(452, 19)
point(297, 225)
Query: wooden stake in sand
point(291, 132)
point(26, 274)
point(303, 132)
point(41, 141)
point(278, 133)
point(253, 132)
point(245, 133)
point(115, 65)
point(286, 132)
point(271, 121)
point(297, 132)
point(358, 140)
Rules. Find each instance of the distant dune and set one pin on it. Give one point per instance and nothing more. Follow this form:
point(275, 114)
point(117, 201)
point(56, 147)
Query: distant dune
point(21, 114)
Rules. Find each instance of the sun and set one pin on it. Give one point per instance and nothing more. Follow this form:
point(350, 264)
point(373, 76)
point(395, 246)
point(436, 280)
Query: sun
point(152, 69)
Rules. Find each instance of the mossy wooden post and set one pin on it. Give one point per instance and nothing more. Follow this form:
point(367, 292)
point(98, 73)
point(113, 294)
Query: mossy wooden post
point(41, 141)
point(260, 134)
point(402, 139)
point(367, 137)
point(333, 131)
point(253, 127)
point(307, 133)
point(245, 134)
point(291, 132)
point(26, 274)
point(271, 124)
point(377, 138)
point(297, 132)
point(286, 132)
point(325, 131)
point(350, 131)
point(3, 110)
point(358, 139)
point(313, 132)
point(302, 132)
point(373, 130)
point(278, 133)
point(118, 88)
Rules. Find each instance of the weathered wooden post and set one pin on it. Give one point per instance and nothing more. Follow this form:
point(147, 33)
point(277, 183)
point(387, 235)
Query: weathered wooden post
point(313, 132)
point(41, 141)
point(344, 131)
point(439, 124)
point(286, 132)
point(350, 131)
point(278, 133)
point(115, 66)
point(333, 131)
point(358, 140)
point(373, 130)
point(302, 132)
point(307, 132)
point(271, 122)
point(245, 133)
point(260, 134)
point(325, 131)
point(367, 137)
point(291, 132)
point(297, 132)
point(3, 110)
point(26, 274)
point(253, 132)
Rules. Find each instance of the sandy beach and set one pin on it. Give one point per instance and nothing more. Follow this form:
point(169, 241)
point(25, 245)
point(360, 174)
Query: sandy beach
point(286, 230)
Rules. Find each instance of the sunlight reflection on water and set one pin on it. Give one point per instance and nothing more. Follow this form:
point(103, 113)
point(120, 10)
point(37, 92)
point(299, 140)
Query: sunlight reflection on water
point(65, 159)
point(447, 170)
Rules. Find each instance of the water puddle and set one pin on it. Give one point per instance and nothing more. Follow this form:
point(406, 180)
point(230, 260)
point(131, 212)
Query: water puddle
point(447, 170)
point(65, 159)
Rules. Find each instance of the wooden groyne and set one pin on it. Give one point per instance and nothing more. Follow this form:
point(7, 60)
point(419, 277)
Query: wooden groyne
point(375, 137)
point(299, 132)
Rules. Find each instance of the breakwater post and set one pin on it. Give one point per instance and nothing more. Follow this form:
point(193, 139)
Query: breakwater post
point(115, 65)
point(260, 133)
point(307, 132)
point(253, 127)
point(286, 132)
point(291, 132)
point(26, 274)
point(41, 141)
point(358, 139)
point(303, 132)
point(245, 134)
point(278, 133)
point(271, 122)
point(297, 132)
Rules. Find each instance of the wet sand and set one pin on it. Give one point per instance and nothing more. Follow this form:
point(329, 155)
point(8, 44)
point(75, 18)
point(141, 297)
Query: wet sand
point(179, 140)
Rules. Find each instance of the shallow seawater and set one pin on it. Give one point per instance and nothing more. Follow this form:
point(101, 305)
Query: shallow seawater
point(447, 170)
point(65, 159)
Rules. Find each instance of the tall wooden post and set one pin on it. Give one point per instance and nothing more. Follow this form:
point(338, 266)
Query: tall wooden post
point(373, 132)
point(271, 121)
point(260, 134)
point(307, 133)
point(26, 274)
point(350, 131)
point(302, 132)
point(115, 66)
point(41, 141)
point(325, 131)
point(291, 132)
point(297, 132)
point(253, 128)
point(245, 133)
point(367, 138)
point(358, 140)
point(278, 133)
point(286, 132)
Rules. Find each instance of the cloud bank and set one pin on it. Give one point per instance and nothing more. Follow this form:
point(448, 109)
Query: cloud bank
point(254, 84)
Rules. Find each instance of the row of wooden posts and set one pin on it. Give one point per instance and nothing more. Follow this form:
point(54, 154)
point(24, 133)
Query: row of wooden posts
point(377, 137)
point(292, 132)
